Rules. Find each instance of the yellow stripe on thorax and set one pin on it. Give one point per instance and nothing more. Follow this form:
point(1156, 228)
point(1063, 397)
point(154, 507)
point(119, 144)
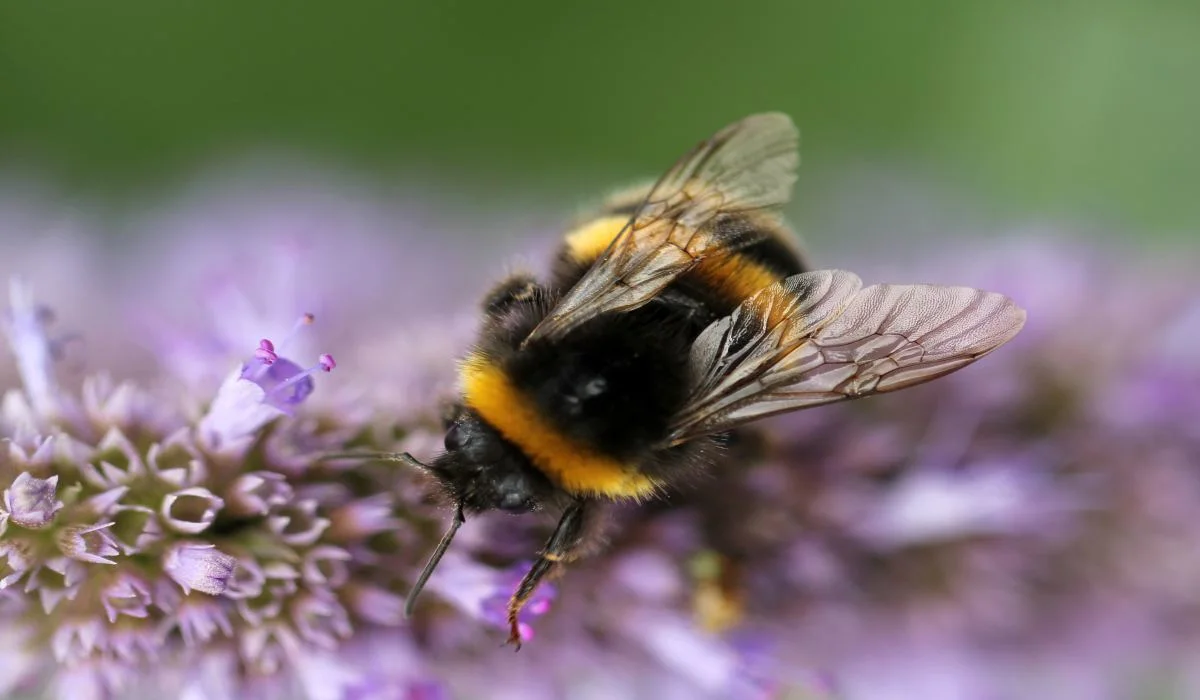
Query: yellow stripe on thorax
point(574, 467)
point(732, 277)
point(587, 242)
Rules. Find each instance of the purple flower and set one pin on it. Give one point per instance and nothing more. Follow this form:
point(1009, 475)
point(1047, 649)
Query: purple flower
point(199, 567)
point(88, 543)
point(199, 621)
point(266, 387)
point(200, 491)
point(257, 493)
point(128, 594)
point(190, 511)
point(127, 481)
point(363, 518)
point(31, 502)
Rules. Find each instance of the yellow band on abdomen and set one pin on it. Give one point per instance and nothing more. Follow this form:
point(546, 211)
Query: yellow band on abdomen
point(731, 278)
point(576, 468)
point(734, 278)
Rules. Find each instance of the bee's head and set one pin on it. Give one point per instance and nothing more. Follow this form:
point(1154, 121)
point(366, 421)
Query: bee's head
point(482, 471)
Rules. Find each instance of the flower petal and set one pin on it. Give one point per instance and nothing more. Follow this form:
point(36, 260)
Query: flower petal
point(31, 502)
point(199, 567)
point(88, 543)
point(191, 510)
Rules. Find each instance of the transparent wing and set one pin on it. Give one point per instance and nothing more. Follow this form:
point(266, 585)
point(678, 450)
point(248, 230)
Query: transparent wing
point(818, 337)
point(749, 165)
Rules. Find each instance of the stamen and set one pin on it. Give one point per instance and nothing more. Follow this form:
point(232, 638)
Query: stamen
point(266, 352)
point(266, 356)
point(267, 384)
point(301, 323)
point(325, 363)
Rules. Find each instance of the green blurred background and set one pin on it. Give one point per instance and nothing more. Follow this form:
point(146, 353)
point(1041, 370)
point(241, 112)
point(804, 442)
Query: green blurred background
point(1084, 111)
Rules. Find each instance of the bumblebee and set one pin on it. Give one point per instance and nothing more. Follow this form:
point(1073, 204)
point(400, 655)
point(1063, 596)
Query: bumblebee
point(679, 313)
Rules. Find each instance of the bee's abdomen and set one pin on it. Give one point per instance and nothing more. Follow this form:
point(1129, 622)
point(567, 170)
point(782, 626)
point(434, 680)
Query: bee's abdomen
point(720, 282)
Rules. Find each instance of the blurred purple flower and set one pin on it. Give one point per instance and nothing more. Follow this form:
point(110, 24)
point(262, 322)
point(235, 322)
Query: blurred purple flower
point(1023, 529)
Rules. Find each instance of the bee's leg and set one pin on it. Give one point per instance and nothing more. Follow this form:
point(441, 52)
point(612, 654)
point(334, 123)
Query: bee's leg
point(559, 548)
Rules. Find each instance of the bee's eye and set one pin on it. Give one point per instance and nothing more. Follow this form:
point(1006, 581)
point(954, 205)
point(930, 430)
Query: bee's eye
point(453, 439)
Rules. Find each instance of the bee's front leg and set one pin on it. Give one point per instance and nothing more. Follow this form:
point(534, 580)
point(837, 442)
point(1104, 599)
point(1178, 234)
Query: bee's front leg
point(561, 547)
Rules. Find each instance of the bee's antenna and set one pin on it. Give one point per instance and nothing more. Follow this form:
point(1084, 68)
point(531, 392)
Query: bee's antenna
point(408, 459)
point(403, 457)
point(434, 559)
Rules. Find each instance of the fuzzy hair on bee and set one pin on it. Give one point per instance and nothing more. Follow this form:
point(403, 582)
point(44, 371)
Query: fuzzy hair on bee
point(673, 316)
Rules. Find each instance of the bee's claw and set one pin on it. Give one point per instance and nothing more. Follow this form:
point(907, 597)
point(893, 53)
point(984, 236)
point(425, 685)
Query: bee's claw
point(514, 635)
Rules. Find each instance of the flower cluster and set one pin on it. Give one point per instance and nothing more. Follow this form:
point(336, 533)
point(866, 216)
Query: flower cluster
point(133, 533)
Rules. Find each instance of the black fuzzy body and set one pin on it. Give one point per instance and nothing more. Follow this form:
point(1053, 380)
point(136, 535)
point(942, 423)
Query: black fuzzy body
point(611, 385)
